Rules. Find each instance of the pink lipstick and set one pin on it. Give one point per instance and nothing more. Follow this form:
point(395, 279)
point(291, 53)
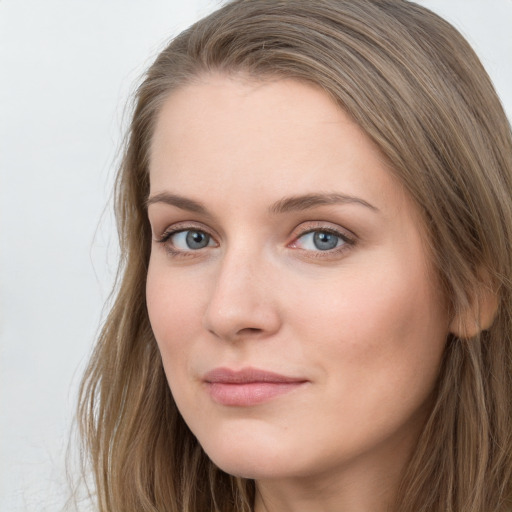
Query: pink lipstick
point(248, 386)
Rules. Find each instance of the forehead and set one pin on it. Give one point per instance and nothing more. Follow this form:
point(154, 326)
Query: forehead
point(228, 135)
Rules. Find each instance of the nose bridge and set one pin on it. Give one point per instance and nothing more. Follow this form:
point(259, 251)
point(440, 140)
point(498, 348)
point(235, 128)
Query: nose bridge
point(241, 301)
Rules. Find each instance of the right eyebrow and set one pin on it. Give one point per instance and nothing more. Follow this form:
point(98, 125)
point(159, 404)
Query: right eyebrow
point(179, 201)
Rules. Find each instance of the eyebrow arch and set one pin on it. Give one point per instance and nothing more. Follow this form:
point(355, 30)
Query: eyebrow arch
point(179, 201)
point(307, 201)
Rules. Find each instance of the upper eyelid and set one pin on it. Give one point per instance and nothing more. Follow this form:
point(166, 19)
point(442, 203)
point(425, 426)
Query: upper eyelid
point(186, 226)
point(305, 231)
point(324, 226)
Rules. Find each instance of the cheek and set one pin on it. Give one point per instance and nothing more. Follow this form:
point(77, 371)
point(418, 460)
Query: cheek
point(375, 332)
point(174, 308)
point(379, 346)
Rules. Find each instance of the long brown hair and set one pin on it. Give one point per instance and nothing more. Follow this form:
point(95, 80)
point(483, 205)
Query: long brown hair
point(417, 89)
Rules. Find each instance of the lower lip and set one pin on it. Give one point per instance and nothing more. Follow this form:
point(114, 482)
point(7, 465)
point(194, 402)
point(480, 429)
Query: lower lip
point(249, 393)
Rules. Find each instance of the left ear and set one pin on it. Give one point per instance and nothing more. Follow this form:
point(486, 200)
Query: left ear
point(480, 313)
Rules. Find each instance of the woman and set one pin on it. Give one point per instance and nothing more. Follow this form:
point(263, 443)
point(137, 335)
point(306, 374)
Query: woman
point(313, 310)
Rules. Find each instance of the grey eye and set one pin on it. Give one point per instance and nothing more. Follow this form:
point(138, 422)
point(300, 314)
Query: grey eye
point(190, 239)
point(320, 241)
point(197, 239)
point(324, 241)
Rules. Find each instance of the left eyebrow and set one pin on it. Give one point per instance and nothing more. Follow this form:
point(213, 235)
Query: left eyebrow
point(307, 201)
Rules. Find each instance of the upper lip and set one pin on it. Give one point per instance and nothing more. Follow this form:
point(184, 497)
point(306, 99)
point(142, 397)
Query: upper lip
point(246, 375)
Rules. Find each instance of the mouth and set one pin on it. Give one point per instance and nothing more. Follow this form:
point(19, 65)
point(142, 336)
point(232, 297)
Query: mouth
point(248, 387)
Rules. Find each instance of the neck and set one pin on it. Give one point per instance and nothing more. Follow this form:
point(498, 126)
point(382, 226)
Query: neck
point(355, 492)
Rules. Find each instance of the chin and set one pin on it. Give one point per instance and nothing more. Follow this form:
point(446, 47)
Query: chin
point(250, 458)
point(254, 469)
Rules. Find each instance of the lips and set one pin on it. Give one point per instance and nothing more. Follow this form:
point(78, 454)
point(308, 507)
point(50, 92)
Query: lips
point(248, 387)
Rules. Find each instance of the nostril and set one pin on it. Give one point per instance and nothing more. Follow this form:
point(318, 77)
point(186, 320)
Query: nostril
point(249, 330)
point(246, 332)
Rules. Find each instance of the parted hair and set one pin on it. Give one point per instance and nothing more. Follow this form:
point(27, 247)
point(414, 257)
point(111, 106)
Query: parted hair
point(417, 89)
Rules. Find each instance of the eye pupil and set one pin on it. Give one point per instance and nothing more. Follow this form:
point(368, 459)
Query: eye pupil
point(324, 241)
point(197, 239)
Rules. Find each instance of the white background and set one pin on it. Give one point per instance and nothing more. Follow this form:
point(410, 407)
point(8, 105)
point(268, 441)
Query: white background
point(67, 69)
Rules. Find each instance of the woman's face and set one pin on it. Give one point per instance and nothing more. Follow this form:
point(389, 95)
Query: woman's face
point(289, 288)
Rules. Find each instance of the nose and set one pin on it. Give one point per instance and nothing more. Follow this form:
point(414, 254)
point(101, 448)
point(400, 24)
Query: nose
point(243, 299)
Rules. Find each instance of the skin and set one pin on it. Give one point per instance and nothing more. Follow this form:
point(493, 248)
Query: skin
point(363, 324)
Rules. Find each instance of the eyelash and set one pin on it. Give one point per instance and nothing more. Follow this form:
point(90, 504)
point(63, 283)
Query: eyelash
point(346, 239)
